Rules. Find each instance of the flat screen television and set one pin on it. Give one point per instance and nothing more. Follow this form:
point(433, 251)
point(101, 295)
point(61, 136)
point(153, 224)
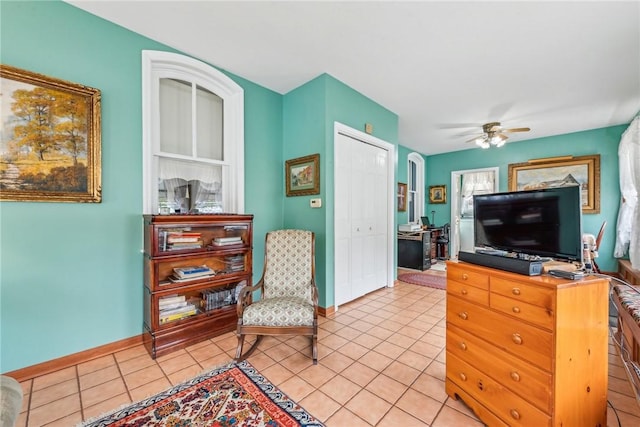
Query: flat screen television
point(545, 222)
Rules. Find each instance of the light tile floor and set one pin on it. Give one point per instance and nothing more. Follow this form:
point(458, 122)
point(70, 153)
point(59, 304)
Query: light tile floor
point(382, 363)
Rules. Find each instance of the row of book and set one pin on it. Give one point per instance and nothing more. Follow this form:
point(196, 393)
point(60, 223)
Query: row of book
point(178, 307)
point(218, 298)
point(186, 239)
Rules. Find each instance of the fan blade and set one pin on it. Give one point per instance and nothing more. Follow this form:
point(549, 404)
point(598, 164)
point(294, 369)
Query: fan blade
point(516, 130)
point(477, 138)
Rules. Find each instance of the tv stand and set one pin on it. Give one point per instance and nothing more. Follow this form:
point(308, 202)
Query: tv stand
point(522, 352)
point(501, 262)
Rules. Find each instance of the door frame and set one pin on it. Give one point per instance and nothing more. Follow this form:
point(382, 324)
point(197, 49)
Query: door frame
point(455, 208)
point(365, 138)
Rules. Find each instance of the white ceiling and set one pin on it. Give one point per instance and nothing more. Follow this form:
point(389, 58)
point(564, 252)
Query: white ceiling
point(444, 67)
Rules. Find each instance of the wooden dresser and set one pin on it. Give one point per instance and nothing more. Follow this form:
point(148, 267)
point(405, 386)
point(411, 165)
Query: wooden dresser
point(527, 351)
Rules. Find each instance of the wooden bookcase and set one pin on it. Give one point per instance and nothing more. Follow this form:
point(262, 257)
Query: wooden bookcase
point(182, 311)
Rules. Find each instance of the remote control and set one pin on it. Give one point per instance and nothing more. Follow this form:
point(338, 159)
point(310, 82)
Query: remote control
point(573, 275)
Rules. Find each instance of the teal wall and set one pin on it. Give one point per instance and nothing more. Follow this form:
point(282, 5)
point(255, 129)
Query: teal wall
point(599, 141)
point(71, 272)
point(309, 114)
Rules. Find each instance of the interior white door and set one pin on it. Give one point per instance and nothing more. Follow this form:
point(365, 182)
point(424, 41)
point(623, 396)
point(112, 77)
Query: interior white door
point(361, 218)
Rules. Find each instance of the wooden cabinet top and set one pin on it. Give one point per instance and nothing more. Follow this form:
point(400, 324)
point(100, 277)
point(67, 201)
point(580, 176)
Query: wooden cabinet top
point(544, 280)
point(196, 218)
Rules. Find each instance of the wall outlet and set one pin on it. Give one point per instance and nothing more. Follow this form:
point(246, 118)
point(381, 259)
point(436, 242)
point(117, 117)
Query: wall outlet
point(316, 203)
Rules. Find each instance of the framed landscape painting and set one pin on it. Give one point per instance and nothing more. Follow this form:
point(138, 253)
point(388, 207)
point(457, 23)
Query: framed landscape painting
point(559, 172)
point(303, 175)
point(49, 139)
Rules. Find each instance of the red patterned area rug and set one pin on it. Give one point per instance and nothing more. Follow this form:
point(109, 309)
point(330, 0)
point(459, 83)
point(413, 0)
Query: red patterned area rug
point(424, 279)
point(233, 395)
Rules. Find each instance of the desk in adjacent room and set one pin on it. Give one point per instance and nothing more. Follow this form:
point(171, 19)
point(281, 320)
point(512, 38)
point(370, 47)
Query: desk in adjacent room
point(416, 249)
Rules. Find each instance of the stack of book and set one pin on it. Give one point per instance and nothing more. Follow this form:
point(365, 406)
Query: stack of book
point(175, 307)
point(181, 240)
point(181, 274)
point(234, 263)
point(227, 241)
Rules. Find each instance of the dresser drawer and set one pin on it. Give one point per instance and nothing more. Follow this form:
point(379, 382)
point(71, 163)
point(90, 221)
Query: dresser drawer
point(468, 292)
point(463, 275)
point(514, 410)
point(535, 295)
point(529, 382)
point(517, 308)
point(526, 341)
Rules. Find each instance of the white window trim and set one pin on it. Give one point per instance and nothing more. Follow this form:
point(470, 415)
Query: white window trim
point(167, 64)
point(420, 198)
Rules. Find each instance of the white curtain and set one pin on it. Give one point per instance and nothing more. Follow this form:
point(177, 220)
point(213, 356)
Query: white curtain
point(473, 183)
point(205, 179)
point(628, 227)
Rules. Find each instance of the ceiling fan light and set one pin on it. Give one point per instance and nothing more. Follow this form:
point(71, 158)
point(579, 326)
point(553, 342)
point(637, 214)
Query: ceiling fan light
point(500, 143)
point(483, 143)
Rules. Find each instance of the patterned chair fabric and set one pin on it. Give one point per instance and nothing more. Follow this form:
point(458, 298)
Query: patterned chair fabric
point(280, 311)
point(288, 265)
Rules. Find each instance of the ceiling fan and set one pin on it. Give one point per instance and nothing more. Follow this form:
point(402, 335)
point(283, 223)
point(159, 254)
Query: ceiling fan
point(494, 135)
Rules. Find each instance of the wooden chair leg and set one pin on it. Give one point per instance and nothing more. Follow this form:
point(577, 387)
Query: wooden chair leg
point(239, 356)
point(314, 348)
point(239, 348)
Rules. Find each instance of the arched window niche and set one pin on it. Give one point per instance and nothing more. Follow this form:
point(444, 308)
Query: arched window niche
point(193, 137)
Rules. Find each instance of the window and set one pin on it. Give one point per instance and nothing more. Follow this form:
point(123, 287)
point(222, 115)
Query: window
point(193, 137)
point(415, 195)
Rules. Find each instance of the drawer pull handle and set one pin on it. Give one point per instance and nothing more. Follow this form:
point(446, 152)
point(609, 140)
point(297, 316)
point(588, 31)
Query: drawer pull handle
point(463, 346)
point(463, 292)
point(516, 309)
point(465, 276)
point(515, 376)
point(517, 339)
point(463, 315)
point(463, 377)
point(480, 385)
point(515, 291)
point(515, 414)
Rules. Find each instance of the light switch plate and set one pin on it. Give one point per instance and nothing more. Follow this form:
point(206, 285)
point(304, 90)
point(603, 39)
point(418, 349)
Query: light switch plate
point(316, 203)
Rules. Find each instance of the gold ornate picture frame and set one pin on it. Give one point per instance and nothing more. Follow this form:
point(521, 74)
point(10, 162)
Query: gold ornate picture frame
point(303, 175)
point(558, 172)
point(437, 194)
point(50, 148)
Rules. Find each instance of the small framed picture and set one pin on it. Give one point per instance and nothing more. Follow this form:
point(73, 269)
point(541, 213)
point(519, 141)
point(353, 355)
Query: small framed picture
point(402, 197)
point(303, 175)
point(438, 194)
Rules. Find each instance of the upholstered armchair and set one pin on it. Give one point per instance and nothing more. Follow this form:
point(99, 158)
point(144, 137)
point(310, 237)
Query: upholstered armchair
point(288, 303)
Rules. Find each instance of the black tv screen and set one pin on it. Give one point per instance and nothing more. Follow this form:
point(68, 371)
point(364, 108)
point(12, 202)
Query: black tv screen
point(545, 222)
